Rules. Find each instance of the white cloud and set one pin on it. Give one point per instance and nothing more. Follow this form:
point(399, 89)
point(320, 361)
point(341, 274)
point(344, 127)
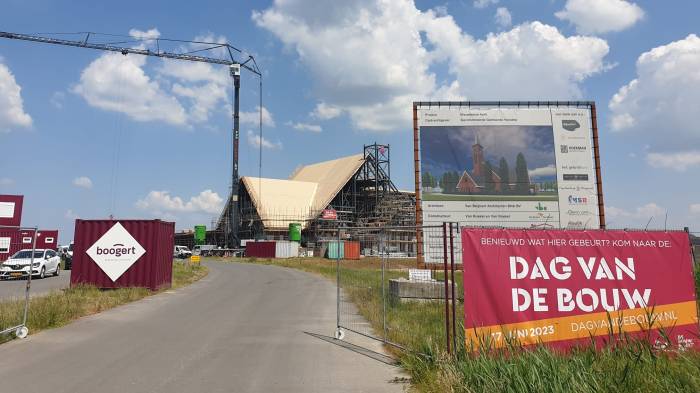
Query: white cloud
point(6, 182)
point(176, 92)
point(400, 44)
point(254, 140)
point(503, 17)
point(637, 217)
point(161, 201)
point(306, 127)
point(82, 182)
point(12, 112)
point(658, 105)
point(484, 3)
point(71, 215)
point(679, 161)
point(324, 111)
point(253, 118)
point(694, 208)
point(115, 82)
point(57, 99)
point(144, 35)
point(548, 170)
point(600, 16)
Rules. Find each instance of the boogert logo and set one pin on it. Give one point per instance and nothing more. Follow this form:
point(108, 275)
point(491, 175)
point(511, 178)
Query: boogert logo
point(570, 125)
point(116, 251)
point(577, 200)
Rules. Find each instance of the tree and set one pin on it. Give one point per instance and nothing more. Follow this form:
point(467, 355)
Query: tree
point(504, 173)
point(448, 182)
point(521, 176)
point(428, 180)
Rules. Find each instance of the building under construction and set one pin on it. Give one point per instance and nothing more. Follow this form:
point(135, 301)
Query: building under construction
point(348, 192)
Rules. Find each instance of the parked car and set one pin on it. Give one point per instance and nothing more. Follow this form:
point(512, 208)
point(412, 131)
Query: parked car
point(204, 250)
point(45, 262)
point(182, 252)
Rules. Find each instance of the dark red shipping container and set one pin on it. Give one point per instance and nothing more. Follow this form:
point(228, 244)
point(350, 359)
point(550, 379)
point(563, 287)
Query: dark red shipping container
point(153, 269)
point(44, 239)
point(10, 243)
point(11, 210)
point(260, 249)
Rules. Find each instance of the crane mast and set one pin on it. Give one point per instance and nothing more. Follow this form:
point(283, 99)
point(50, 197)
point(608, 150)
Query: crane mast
point(234, 65)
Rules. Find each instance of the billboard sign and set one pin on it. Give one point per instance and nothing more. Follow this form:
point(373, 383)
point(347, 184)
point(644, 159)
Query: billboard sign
point(511, 166)
point(565, 287)
point(200, 234)
point(329, 214)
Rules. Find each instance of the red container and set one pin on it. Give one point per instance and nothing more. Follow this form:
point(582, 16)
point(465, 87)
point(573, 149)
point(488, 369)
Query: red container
point(123, 253)
point(260, 249)
point(11, 210)
point(44, 239)
point(10, 243)
point(352, 250)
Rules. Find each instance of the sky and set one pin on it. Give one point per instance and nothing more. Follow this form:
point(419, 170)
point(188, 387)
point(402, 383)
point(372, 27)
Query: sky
point(85, 133)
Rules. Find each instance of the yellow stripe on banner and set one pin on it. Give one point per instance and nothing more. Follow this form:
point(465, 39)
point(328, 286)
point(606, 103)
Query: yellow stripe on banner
point(584, 326)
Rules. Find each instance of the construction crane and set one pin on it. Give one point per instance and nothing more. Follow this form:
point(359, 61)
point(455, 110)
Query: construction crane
point(234, 70)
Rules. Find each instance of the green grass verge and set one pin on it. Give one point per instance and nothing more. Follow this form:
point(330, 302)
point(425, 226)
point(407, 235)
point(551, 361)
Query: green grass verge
point(58, 308)
point(633, 366)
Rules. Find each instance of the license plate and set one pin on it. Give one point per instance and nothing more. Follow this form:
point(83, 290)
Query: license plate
point(15, 274)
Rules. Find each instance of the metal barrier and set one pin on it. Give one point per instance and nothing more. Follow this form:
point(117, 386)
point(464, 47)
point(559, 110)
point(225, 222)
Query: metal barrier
point(16, 242)
point(385, 293)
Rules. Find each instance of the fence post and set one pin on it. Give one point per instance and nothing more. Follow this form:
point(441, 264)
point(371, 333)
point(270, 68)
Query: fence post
point(337, 278)
point(452, 286)
point(447, 302)
point(382, 246)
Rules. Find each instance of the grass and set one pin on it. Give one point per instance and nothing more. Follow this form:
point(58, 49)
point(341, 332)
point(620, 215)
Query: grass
point(61, 307)
point(631, 366)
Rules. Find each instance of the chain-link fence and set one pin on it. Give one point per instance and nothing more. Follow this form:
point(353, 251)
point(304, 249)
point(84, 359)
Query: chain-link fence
point(19, 261)
point(386, 293)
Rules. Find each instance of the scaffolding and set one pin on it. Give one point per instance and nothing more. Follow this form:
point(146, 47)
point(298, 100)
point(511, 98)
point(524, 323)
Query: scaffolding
point(369, 199)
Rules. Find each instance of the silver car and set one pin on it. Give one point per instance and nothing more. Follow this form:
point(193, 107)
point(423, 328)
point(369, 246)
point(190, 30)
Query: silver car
point(45, 262)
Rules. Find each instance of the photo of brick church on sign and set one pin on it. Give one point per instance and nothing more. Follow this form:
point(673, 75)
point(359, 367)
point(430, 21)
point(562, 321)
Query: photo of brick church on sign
point(488, 163)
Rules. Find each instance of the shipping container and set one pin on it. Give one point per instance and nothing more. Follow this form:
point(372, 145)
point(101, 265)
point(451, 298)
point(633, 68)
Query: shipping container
point(14, 239)
point(123, 253)
point(336, 250)
point(11, 210)
point(352, 250)
point(286, 249)
point(260, 249)
point(44, 239)
point(10, 243)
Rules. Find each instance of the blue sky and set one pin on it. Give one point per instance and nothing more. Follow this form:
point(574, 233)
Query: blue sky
point(84, 134)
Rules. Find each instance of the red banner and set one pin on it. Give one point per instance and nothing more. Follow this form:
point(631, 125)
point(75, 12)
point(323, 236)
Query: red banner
point(564, 287)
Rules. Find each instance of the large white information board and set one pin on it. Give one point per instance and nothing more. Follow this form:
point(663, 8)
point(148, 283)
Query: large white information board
point(516, 167)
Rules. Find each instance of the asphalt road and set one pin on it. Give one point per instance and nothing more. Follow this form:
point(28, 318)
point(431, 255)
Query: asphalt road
point(15, 288)
point(240, 329)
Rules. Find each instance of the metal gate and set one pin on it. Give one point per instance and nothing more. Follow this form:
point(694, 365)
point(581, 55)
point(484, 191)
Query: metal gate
point(389, 291)
point(13, 240)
